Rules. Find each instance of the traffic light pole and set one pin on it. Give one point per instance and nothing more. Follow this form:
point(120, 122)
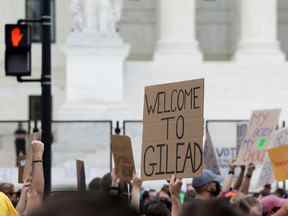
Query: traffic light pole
point(46, 98)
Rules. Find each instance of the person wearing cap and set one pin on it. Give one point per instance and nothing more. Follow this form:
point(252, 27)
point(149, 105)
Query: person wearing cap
point(205, 185)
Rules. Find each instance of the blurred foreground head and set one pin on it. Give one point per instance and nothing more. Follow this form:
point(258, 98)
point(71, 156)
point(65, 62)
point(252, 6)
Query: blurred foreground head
point(247, 204)
point(208, 208)
point(89, 203)
point(95, 184)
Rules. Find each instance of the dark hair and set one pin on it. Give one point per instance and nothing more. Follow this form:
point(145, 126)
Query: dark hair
point(145, 195)
point(156, 208)
point(267, 186)
point(89, 203)
point(165, 189)
point(207, 208)
point(95, 184)
point(264, 193)
point(106, 183)
point(280, 192)
point(218, 189)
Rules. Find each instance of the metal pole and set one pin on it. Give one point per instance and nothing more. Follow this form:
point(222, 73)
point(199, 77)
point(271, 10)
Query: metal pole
point(46, 101)
point(284, 182)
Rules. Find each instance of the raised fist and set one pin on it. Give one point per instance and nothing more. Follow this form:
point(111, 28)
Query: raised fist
point(136, 182)
point(175, 185)
point(250, 169)
point(232, 165)
point(37, 150)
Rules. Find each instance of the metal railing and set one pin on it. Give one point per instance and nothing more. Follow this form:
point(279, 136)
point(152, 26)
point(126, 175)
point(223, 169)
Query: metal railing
point(77, 139)
point(87, 139)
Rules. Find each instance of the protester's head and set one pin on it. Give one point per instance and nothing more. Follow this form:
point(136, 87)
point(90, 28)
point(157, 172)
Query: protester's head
point(266, 190)
point(247, 204)
point(280, 192)
point(89, 203)
point(156, 207)
point(165, 196)
point(218, 189)
point(95, 184)
point(205, 184)
point(106, 182)
point(144, 200)
point(9, 190)
point(165, 189)
point(145, 195)
point(267, 187)
point(152, 193)
point(208, 208)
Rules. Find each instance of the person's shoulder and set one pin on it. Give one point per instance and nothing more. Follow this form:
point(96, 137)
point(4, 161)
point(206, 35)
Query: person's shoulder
point(3, 196)
point(6, 207)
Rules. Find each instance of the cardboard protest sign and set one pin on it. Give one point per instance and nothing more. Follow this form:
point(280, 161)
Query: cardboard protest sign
point(241, 133)
point(258, 137)
point(224, 145)
point(173, 130)
point(280, 137)
point(266, 175)
point(279, 159)
point(81, 177)
point(123, 157)
point(210, 160)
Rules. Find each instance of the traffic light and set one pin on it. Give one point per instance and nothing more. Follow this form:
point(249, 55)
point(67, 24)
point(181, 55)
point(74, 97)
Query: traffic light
point(18, 50)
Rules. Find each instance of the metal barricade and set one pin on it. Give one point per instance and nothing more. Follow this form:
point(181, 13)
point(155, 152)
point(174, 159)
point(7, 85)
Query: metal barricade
point(89, 141)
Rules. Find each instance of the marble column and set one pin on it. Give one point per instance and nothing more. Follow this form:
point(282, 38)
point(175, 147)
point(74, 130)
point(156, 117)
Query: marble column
point(177, 35)
point(90, 14)
point(258, 39)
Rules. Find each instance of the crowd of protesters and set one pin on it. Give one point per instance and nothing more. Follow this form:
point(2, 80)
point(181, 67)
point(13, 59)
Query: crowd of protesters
point(208, 194)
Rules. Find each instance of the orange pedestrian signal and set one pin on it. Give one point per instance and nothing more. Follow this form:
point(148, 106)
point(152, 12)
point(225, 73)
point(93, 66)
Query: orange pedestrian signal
point(18, 50)
point(16, 37)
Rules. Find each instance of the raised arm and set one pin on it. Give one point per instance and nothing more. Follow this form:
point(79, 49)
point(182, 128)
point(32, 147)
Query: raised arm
point(36, 192)
point(21, 205)
point(175, 188)
point(136, 189)
point(247, 179)
point(229, 178)
point(240, 178)
point(37, 167)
